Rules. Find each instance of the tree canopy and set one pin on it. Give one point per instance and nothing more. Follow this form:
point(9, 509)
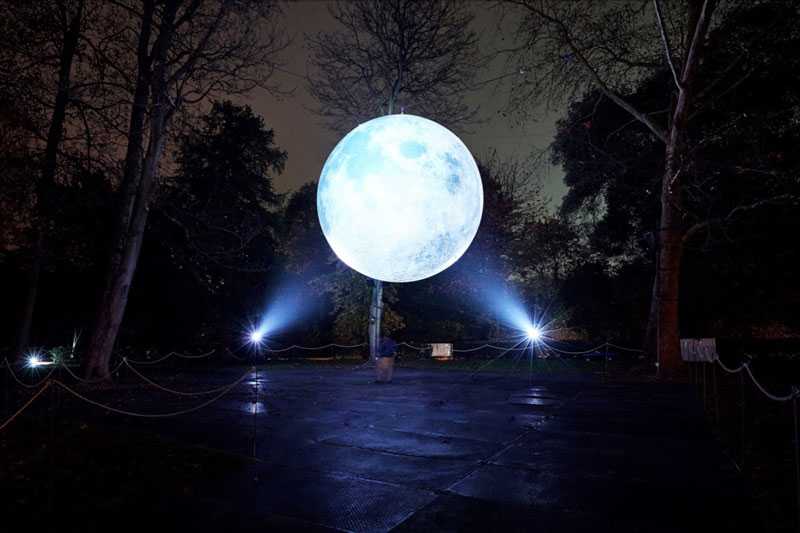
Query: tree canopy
point(389, 56)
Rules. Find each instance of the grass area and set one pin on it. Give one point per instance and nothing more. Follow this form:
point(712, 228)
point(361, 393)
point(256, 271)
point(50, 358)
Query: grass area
point(66, 475)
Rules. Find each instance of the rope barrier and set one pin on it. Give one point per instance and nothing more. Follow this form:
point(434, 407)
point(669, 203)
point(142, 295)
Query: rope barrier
point(409, 345)
point(746, 367)
point(151, 415)
point(472, 374)
point(581, 352)
point(625, 348)
point(766, 393)
point(229, 353)
point(466, 350)
point(313, 348)
point(184, 393)
point(730, 370)
point(494, 347)
point(25, 405)
point(200, 356)
point(154, 362)
point(171, 354)
point(489, 346)
point(76, 377)
point(30, 385)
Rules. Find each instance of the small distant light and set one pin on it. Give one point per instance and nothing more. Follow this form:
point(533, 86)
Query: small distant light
point(35, 360)
point(534, 333)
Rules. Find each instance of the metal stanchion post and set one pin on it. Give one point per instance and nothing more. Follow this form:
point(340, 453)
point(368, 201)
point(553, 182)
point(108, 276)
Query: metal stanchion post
point(741, 386)
point(530, 365)
point(255, 411)
point(795, 390)
point(6, 391)
point(703, 364)
point(716, 392)
point(51, 449)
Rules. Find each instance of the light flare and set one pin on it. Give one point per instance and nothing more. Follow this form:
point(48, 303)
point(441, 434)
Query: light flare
point(256, 336)
point(35, 360)
point(534, 333)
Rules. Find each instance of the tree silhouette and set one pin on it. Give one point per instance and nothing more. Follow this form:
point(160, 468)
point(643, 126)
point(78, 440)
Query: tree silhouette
point(389, 56)
point(221, 204)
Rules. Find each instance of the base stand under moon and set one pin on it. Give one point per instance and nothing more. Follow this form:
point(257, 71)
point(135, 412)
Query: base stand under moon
point(375, 317)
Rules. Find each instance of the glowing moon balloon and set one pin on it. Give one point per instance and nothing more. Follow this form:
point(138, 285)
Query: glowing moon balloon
point(400, 198)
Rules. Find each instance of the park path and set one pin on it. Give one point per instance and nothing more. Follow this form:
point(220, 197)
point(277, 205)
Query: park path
point(443, 450)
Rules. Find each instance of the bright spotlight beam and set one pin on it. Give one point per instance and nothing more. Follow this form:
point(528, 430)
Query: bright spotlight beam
point(534, 333)
point(256, 337)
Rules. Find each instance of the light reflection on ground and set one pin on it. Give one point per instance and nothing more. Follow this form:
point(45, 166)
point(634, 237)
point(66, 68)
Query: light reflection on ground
point(254, 408)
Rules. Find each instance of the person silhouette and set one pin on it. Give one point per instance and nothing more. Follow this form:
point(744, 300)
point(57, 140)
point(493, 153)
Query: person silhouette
point(384, 365)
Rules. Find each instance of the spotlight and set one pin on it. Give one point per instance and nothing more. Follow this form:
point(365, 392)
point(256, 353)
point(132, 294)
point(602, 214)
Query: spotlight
point(35, 359)
point(533, 333)
point(256, 336)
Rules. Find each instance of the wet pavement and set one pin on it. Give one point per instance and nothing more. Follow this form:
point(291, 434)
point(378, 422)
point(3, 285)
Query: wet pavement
point(443, 450)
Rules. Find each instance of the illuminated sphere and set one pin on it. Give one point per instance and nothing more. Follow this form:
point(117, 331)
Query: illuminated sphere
point(400, 198)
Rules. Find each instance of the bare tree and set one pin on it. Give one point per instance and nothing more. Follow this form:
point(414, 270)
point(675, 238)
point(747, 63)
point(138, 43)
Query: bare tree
point(186, 52)
point(394, 55)
point(567, 48)
point(388, 56)
point(42, 43)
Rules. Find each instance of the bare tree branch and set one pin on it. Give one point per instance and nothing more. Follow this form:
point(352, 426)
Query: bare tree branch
point(394, 55)
point(736, 212)
point(665, 40)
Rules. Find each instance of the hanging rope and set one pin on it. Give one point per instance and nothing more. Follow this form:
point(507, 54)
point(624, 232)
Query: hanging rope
point(25, 405)
point(466, 350)
point(153, 362)
point(151, 415)
point(200, 356)
point(730, 370)
point(625, 348)
point(184, 393)
point(171, 354)
point(409, 345)
point(581, 352)
point(746, 367)
point(76, 377)
point(314, 348)
point(30, 385)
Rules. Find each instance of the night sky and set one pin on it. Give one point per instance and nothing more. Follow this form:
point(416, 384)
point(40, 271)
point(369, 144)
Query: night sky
point(308, 142)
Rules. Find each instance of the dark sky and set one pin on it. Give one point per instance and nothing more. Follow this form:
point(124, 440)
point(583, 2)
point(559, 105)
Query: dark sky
point(299, 132)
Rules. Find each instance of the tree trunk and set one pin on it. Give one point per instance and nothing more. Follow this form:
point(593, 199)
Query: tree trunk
point(667, 282)
point(135, 190)
point(650, 333)
point(115, 299)
point(672, 227)
point(375, 317)
point(26, 318)
point(47, 179)
point(376, 303)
